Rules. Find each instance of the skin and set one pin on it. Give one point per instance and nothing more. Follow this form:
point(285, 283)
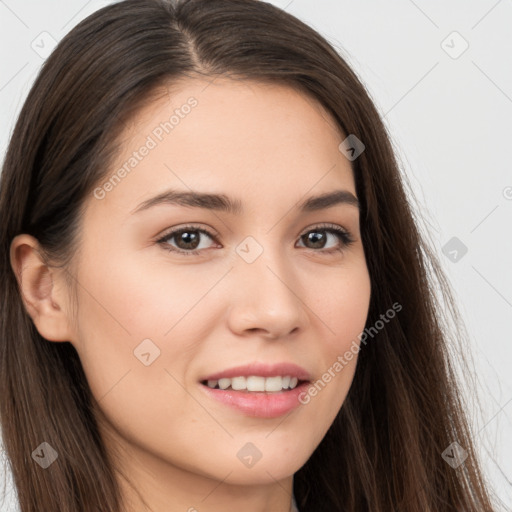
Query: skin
point(271, 147)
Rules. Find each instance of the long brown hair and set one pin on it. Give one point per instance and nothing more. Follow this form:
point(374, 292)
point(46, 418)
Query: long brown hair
point(384, 450)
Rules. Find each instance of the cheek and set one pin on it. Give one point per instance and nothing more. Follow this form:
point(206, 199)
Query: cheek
point(133, 299)
point(123, 315)
point(341, 311)
point(341, 307)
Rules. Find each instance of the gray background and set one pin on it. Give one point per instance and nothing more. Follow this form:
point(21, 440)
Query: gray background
point(448, 109)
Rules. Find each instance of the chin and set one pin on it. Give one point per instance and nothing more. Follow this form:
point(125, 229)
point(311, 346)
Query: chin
point(269, 468)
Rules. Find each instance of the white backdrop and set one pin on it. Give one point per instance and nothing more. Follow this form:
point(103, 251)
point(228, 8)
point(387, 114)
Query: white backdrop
point(441, 76)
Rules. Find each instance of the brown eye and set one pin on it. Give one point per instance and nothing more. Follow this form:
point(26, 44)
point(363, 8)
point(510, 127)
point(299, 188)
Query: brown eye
point(318, 238)
point(187, 240)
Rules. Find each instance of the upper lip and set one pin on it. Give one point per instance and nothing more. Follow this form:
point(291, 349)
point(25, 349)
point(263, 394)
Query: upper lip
point(263, 370)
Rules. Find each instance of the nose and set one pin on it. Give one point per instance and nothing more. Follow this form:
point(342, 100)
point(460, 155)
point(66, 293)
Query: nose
point(266, 298)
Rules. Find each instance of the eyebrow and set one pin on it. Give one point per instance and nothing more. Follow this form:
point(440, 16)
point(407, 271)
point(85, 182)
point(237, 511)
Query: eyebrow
point(223, 203)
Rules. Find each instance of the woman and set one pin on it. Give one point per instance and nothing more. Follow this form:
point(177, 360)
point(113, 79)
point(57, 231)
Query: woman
point(215, 293)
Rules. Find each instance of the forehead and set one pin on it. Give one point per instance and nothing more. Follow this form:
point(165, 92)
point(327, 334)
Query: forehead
point(244, 138)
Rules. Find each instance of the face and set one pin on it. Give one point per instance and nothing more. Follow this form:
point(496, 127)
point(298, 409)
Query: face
point(181, 293)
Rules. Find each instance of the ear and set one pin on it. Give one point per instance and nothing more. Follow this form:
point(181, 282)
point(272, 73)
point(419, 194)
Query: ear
point(42, 289)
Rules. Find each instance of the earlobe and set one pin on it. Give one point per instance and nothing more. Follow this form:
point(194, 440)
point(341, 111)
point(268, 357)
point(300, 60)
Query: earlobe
point(41, 291)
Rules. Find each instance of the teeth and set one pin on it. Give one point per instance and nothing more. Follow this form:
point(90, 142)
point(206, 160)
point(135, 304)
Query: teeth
point(273, 384)
point(224, 383)
point(255, 383)
point(238, 383)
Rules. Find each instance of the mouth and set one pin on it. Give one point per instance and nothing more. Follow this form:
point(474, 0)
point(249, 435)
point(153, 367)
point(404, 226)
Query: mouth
point(255, 383)
point(258, 390)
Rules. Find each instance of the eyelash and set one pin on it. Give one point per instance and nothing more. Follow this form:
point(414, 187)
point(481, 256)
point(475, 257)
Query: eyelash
point(342, 234)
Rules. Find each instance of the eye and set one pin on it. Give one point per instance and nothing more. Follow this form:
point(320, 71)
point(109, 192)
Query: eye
point(188, 240)
point(318, 237)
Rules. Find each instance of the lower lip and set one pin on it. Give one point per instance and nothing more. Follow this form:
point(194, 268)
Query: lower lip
point(259, 403)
